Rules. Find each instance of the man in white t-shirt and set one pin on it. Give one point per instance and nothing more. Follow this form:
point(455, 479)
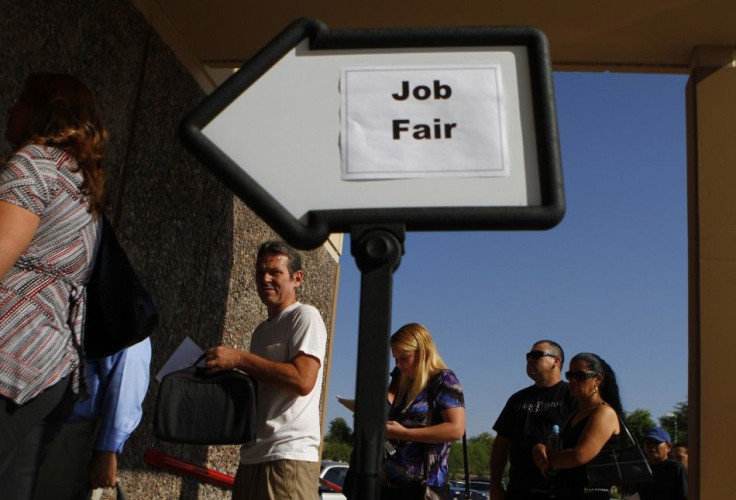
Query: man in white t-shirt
point(286, 358)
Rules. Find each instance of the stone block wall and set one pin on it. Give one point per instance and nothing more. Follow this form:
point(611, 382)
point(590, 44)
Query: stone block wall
point(191, 241)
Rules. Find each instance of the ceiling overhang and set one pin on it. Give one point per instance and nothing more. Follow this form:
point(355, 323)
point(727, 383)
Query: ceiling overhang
point(584, 35)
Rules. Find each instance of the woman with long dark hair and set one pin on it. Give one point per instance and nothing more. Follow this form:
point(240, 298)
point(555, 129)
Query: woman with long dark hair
point(594, 426)
point(427, 414)
point(51, 196)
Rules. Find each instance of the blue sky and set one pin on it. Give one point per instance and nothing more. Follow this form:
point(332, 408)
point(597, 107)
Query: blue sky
point(611, 278)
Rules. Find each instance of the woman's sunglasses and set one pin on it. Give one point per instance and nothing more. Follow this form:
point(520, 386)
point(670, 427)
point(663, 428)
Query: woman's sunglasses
point(580, 376)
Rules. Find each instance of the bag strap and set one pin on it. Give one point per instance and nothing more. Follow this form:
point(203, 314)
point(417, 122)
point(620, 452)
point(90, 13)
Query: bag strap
point(119, 492)
point(200, 371)
point(465, 466)
point(625, 429)
point(194, 365)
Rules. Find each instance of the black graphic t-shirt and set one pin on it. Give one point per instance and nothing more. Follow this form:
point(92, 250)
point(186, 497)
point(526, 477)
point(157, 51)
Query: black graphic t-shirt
point(526, 420)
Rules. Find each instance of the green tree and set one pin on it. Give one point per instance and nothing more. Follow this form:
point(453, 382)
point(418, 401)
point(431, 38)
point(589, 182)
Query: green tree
point(338, 443)
point(455, 462)
point(640, 422)
point(340, 431)
point(479, 454)
point(335, 450)
point(675, 423)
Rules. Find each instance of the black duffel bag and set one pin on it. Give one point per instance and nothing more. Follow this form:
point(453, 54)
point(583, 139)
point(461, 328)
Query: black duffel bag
point(195, 408)
point(120, 311)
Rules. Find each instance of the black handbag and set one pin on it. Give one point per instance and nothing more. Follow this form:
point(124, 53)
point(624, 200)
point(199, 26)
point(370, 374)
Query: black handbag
point(624, 465)
point(195, 408)
point(120, 312)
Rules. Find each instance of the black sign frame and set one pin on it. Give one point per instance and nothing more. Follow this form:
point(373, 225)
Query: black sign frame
point(320, 223)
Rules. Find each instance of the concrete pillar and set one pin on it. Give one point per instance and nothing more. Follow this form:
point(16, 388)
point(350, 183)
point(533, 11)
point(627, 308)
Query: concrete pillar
point(711, 101)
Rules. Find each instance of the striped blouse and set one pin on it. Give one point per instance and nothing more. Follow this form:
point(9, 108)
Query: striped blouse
point(42, 296)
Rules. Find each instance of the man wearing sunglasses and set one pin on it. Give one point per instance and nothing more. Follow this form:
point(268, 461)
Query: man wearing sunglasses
point(526, 420)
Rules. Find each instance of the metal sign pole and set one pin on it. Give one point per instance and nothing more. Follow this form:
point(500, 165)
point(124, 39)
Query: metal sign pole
point(377, 251)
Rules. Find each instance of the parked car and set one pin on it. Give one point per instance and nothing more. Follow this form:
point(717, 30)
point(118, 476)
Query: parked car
point(332, 472)
point(457, 491)
point(481, 485)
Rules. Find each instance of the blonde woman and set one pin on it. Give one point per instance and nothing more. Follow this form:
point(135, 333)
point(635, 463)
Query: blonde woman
point(427, 413)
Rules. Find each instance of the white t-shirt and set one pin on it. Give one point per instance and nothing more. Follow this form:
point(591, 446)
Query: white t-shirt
point(288, 425)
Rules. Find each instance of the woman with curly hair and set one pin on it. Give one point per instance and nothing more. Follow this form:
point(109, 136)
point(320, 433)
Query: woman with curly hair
point(593, 427)
point(427, 414)
point(51, 197)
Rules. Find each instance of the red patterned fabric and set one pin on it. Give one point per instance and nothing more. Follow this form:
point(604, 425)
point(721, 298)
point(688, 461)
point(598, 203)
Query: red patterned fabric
point(42, 296)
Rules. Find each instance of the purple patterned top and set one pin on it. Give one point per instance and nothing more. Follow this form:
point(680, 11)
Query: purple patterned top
point(406, 466)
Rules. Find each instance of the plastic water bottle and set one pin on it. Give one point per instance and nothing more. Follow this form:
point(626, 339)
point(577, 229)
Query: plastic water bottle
point(553, 440)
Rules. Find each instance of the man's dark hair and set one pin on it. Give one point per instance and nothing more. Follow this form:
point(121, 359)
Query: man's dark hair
point(279, 247)
point(556, 350)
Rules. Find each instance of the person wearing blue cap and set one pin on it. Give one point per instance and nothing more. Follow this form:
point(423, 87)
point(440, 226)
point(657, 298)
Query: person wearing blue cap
point(669, 478)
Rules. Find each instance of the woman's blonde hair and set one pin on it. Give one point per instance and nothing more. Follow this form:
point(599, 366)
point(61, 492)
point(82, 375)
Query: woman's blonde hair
point(62, 112)
point(414, 337)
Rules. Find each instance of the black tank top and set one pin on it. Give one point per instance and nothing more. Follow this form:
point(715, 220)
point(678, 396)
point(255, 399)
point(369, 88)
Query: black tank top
point(575, 479)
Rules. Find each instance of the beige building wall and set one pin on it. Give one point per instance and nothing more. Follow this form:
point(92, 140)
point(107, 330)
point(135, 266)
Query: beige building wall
point(711, 97)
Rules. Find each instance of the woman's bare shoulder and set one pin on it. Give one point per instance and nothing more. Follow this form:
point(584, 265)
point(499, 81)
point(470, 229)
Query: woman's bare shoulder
point(608, 416)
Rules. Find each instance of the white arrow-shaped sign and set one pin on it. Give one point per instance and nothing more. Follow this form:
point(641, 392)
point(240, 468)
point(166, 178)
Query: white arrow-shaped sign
point(436, 129)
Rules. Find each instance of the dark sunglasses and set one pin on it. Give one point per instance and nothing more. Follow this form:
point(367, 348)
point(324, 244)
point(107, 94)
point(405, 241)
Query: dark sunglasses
point(539, 354)
point(580, 375)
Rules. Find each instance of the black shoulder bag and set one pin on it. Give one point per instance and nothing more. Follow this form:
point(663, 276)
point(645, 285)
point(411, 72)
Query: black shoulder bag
point(120, 311)
point(193, 407)
point(623, 465)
